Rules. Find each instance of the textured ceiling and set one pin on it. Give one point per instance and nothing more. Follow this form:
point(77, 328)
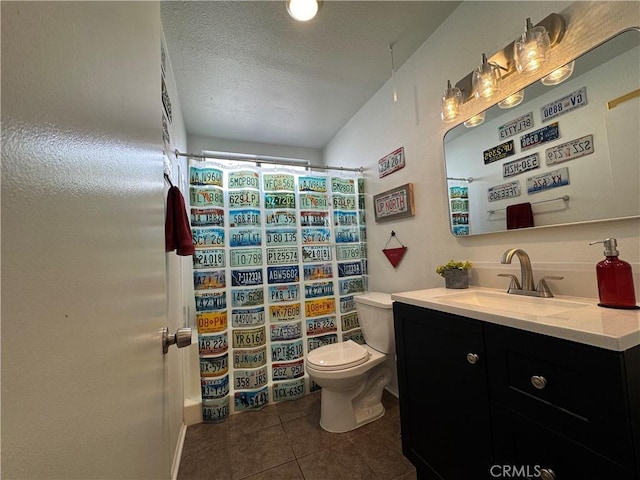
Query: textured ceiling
point(247, 71)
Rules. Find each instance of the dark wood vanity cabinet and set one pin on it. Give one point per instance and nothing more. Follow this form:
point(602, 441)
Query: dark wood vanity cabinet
point(482, 401)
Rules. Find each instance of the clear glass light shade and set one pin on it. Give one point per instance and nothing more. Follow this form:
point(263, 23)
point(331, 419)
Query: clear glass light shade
point(475, 120)
point(486, 79)
point(451, 101)
point(302, 10)
point(559, 75)
point(512, 100)
point(531, 48)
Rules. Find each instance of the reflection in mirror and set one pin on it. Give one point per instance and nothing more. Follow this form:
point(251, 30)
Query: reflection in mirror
point(567, 153)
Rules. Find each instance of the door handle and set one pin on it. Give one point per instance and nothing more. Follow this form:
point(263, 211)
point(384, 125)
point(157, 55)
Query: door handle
point(182, 338)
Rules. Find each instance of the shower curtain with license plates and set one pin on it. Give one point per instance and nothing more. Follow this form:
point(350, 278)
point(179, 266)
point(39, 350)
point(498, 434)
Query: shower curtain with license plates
point(279, 256)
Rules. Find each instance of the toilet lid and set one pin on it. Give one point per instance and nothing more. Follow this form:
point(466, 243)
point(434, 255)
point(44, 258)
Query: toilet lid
point(338, 356)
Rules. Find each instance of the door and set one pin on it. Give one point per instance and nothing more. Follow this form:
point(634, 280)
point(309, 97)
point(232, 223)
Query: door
point(84, 381)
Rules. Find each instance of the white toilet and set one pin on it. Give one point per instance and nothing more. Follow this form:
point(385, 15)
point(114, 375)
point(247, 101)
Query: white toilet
point(353, 376)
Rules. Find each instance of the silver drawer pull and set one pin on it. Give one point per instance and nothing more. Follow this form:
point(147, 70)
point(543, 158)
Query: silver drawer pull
point(547, 474)
point(472, 358)
point(539, 382)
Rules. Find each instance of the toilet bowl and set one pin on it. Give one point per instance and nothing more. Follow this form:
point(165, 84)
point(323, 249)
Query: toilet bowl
point(353, 376)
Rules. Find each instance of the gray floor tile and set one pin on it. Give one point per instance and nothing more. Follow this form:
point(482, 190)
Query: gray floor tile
point(339, 462)
point(286, 471)
point(257, 451)
point(245, 422)
point(307, 405)
point(306, 436)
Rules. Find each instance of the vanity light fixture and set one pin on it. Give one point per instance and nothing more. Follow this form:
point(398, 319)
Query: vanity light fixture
point(530, 49)
point(475, 120)
point(559, 75)
point(302, 10)
point(486, 78)
point(451, 101)
point(512, 100)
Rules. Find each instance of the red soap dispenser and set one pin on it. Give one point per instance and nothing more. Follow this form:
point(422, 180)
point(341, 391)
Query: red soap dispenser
point(615, 280)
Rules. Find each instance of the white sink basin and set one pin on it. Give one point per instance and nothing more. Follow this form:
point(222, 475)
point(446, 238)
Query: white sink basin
point(506, 302)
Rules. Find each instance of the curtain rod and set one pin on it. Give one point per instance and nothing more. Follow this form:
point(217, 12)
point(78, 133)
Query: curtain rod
point(243, 157)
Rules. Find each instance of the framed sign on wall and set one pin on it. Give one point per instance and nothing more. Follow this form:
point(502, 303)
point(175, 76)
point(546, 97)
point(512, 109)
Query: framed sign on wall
point(394, 204)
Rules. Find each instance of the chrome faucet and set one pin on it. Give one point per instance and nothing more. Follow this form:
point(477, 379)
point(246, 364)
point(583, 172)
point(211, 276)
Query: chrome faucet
point(526, 276)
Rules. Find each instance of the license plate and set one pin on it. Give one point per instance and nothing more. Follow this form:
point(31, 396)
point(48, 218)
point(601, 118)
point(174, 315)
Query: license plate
point(515, 167)
point(351, 285)
point(214, 366)
point(284, 293)
point(278, 182)
point(287, 371)
point(250, 358)
point(313, 201)
point(251, 400)
point(208, 301)
point(318, 272)
point(499, 152)
point(355, 335)
point(283, 352)
point(312, 184)
point(314, 219)
point(564, 105)
point(244, 198)
point(392, 162)
point(247, 298)
point(207, 217)
point(215, 411)
point(319, 326)
point(249, 338)
point(282, 256)
point(279, 200)
point(245, 278)
point(316, 254)
point(213, 258)
point(244, 179)
point(245, 237)
point(321, 341)
point(244, 218)
point(568, 151)
point(459, 205)
point(206, 197)
point(288, 274)
point(247, 257)
point(248, 317)
point(283, 236)
point(249, 379)
point(540, 136)
point(348, 252)
point(280, 218)
point(312, 236)
point(343, 185)
point(209, 279)
point(349, 269)
point(210, 322)
point(283, 391)
point(350, 321)
point(208, 237)
point(320, 307)
point(212, 344)
point(347, 234)
point(285, 313)
point(506, 190)
point(285, 331)
point(460, 218)
point(518, 125)
point(345, 218)
point(214, 387)
point(556, 178)
point(318, 289)
point(344, 202)
point(205, 176)
point(458, 192)
point(347, 304)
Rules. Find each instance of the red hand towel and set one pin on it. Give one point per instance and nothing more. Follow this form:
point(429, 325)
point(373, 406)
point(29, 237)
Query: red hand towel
point(177, 231)
point(519, 216)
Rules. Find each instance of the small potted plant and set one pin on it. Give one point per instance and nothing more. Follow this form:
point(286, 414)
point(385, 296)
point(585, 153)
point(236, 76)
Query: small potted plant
point(456, 274)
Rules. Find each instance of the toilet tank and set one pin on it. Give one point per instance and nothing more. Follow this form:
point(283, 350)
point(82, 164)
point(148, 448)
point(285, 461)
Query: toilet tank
point(375, 315)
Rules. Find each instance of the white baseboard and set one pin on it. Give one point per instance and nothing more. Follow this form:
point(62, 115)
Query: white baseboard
point(192, 411)
point(177, 455)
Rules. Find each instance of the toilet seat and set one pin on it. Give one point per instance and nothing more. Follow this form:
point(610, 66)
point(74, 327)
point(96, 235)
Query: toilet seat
point(338, 356)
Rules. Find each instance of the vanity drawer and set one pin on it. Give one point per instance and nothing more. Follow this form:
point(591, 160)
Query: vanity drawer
point(577, 390)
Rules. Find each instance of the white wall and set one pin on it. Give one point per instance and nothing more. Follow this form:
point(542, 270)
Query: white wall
point(414, 122)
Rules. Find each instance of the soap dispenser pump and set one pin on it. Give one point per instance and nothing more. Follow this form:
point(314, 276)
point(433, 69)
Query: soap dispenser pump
point(615, 279)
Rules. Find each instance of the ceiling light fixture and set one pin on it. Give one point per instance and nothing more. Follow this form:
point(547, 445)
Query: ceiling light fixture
point(486, 78)
point(530, 48)
point(559, 75)
point(451, 101)
point(512, 100)
point(302, 10)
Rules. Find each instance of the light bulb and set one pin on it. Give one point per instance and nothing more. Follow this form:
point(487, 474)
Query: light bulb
point(530, 49)
point(486, 78)
point(475, 120)
point(302, 10)
point(559, 75)
point(451, 101)
point(512, 100)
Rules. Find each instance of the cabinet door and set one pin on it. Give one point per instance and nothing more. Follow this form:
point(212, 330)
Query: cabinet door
point(444, 402)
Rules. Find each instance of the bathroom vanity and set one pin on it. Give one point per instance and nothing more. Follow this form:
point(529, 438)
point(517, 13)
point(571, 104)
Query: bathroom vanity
point(496, 386)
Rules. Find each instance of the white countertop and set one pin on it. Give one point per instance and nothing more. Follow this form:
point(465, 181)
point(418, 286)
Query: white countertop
point(584, 322)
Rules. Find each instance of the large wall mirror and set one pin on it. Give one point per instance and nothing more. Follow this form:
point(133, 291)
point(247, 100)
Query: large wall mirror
point(568, 153)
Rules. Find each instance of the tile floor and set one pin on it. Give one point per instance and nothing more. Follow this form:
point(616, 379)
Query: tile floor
point(285, 441)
